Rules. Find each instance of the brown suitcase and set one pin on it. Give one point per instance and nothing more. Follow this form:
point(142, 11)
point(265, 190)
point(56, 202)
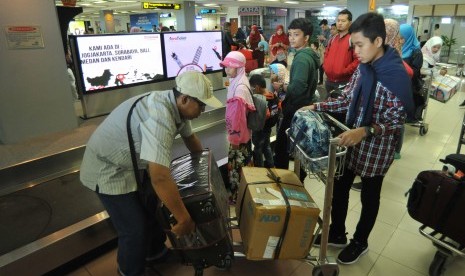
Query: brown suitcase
point(438, 201)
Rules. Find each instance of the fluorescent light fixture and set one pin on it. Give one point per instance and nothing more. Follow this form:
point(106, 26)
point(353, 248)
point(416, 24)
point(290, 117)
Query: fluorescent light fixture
point(85, 4)
point(100, 2)
point(399, 9)
point(127, 1)
point(446, 20)
point(292, 2)
point(211, 5)
point(124, 12)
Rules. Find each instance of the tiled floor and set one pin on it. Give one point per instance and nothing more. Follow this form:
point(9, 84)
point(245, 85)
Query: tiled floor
point(396, 246)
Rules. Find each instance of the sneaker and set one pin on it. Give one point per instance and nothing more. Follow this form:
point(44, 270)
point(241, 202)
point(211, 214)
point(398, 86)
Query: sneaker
point(397, 155)
point(352, 252)
point(357, 186)
point(339, 241)
point(462, 104)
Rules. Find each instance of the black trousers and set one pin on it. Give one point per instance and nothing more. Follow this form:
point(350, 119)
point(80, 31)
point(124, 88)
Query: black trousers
point(370, 198)
point(281, 148)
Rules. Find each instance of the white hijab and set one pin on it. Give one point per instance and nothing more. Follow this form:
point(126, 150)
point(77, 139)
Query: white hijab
point(428, 55)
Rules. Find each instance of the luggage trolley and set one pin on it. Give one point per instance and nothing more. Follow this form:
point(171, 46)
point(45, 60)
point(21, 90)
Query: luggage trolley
point(323, 265)
point(446, 248)
point(460, 54)
point(421, 106)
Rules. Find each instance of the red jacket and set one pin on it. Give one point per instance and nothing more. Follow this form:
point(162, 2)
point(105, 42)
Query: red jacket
point(340, 60)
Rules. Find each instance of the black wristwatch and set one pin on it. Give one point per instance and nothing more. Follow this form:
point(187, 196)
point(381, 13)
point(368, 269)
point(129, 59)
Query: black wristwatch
point(370, 131)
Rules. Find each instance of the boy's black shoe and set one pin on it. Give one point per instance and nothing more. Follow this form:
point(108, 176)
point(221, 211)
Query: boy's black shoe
point(339, 241)
point(462, 104)
point(352, 252)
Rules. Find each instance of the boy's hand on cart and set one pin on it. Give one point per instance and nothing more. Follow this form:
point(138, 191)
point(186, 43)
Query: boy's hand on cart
point(184, 227)
point(308, 107)
point(352, 137)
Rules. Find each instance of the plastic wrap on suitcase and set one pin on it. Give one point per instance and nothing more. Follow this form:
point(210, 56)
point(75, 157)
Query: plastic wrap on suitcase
point(438, 201)
point(312, 134)
point(203, 192)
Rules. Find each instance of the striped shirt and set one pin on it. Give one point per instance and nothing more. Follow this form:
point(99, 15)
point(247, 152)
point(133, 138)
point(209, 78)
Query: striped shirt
point(374, 155)
point(155, 123)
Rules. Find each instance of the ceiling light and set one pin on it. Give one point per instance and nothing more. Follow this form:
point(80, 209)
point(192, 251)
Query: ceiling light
point(292, 2)
point(85, 4)
point(100, 2)
point(211, 5)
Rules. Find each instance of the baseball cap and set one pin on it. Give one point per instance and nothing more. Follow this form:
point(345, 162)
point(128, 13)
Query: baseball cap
point(324, 22)
point(234, 59)
point(197, 85)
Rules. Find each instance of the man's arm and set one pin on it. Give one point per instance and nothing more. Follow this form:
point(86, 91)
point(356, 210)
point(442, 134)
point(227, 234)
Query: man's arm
point(166, 189)
point(193, 143)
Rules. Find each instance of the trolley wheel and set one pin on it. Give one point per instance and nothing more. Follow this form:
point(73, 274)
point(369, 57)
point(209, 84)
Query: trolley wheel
point(423, 130)
point(226, 263)
point(318, 272)
point(437, 266)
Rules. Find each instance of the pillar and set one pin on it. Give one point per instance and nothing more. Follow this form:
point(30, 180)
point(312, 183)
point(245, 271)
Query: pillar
point(185, 18)
point(107, 22)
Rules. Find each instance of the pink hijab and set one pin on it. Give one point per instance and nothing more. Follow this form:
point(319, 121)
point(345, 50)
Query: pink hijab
point(238, 86)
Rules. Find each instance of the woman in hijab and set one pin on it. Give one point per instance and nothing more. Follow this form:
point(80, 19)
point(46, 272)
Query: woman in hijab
point(238, 104)
point(393, 39)
point(252, 41)
point(431, 54)
point(279, 42)
point(279, 76)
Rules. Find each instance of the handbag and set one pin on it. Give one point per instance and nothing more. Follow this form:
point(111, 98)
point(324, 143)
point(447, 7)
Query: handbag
point(145, 189)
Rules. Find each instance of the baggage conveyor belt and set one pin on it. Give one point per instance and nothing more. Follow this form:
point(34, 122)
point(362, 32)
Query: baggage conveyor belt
point(47, 218)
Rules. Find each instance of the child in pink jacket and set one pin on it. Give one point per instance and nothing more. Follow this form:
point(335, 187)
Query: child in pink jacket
point(238, 104)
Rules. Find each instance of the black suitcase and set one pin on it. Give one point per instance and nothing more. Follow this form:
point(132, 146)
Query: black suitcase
point(438, 201)
point(206, 199)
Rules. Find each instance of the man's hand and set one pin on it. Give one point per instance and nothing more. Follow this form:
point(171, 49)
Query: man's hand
point(352, 137)
point(183, 228)
point(308, 107)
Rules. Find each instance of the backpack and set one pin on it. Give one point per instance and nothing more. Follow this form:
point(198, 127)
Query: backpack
point(256, 119)
point(274, 109)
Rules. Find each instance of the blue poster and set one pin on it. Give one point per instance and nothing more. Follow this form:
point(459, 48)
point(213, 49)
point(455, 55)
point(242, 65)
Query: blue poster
point(144, 21)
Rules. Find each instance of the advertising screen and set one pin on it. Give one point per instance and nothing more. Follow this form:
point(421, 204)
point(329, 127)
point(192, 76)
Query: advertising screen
point(112, 61)
point(187, 51)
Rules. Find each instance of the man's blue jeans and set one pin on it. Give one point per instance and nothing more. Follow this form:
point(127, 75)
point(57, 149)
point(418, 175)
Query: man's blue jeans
point(139, 234)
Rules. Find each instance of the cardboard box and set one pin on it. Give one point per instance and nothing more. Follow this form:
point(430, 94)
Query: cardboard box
point(444, 87)
point(261, 212)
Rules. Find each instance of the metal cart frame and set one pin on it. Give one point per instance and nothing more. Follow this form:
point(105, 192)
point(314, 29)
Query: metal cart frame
point(460, 53)
point(426, 91)
point(323, 265)
point(446, 248)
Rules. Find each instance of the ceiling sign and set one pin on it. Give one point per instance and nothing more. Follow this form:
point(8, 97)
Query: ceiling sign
point(165, 6)
point(249, 11)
